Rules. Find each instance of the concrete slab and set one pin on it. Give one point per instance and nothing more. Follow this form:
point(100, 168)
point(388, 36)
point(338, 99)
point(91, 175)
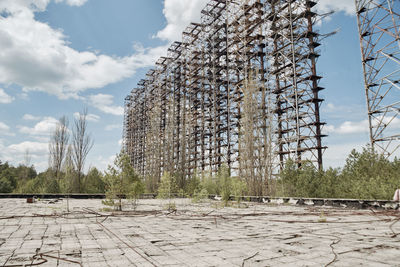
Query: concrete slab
point(205, 234)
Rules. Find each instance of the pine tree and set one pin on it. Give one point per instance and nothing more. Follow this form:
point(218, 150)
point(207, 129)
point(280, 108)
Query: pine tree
point(121, 181)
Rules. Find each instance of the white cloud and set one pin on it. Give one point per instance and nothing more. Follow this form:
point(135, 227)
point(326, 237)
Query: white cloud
point(5, 129)
point(327, 129)
point(29, 117)
point(15, 153)
point(104, 103)
point(89, 117)
point(335, 155)
point(346, 6)
point(330, 107)
point(12, 6)
point(42, 129)
point(111, 159)
point(101, 163)
point(23, 96)
point(34, 148)
point(5, 98)
point(347, 127)
point(356, 127)
point(38, 58)
point(148, 56)
point(351, 127)
point(179, 14)
point(73, 2)
point(334, 110)
point(112, 127)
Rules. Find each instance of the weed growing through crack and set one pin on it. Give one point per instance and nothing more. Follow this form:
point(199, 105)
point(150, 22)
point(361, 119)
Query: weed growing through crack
point(322, 218)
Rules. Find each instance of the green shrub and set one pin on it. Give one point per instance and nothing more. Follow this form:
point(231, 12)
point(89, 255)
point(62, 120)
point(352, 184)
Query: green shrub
point(239, 187)
point(136, 189)
point(200, 195)
point(366, 175)
point(167, 186)
point(121, 180)
point(5, 185)
point(209, 184)
point(193, 184)
point(93, 182)
point(224, 183)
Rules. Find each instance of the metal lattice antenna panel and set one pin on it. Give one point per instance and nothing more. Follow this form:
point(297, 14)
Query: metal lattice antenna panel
point(379, 27)
point(240, 89)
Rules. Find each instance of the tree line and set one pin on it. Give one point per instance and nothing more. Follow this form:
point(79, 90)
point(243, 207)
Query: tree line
point(68, 150)
point(365, 175)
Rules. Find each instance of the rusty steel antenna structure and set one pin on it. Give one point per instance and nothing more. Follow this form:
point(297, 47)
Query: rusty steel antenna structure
point(241, 89)
point(379, 29)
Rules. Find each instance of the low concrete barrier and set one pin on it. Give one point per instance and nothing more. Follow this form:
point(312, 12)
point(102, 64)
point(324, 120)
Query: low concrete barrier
point(333, 202)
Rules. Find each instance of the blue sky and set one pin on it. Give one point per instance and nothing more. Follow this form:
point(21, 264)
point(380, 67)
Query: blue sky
point(58, 56)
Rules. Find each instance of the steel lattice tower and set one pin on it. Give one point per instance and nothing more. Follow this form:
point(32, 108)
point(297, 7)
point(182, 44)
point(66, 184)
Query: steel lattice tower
point(241, 89)
point(379, 26)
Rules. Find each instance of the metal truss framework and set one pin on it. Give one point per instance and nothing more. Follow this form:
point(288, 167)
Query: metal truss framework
point(190, 113)
point(379, 28)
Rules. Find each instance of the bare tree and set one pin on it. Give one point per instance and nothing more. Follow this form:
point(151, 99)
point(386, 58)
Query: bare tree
point(82, 142)
point(68, 161)
point(251, 140)
point(58, 145)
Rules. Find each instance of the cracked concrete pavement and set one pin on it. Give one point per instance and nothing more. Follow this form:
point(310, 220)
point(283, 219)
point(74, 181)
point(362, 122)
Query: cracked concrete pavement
point(202, 234)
